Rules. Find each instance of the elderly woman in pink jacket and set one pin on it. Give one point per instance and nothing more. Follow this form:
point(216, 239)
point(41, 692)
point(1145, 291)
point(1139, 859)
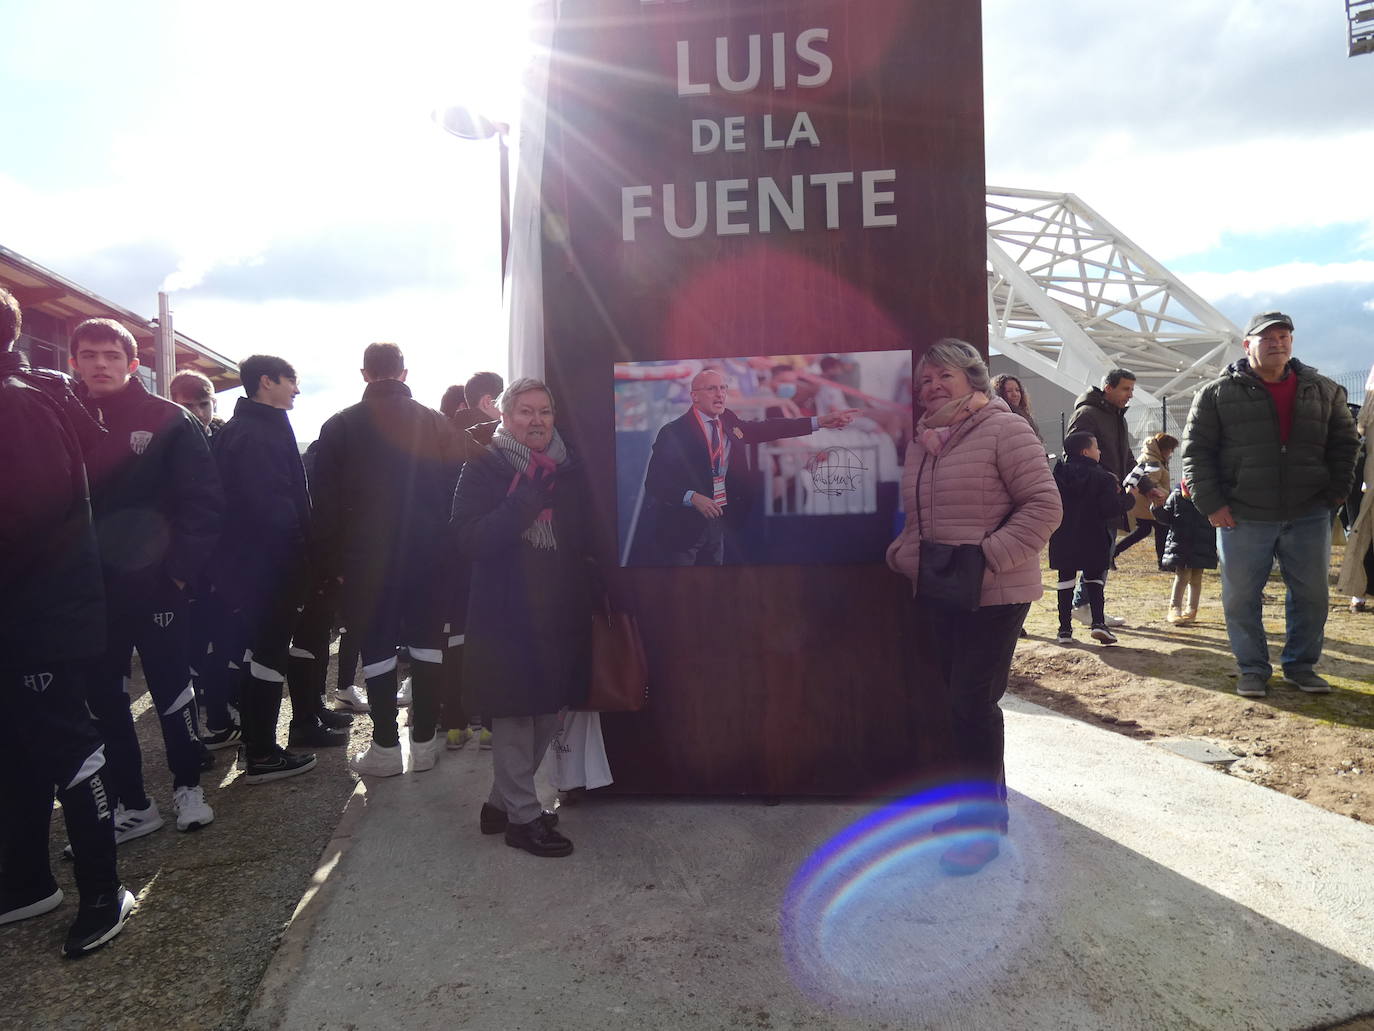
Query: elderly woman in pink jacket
point(975, 475)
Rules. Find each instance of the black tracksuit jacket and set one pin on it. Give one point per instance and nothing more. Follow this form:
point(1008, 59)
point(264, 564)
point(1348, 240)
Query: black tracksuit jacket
point(154, 489)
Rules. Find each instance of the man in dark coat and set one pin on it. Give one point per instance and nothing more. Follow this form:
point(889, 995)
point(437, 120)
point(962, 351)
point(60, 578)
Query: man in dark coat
point(384, 475)
point(697, 476)
point(1102, 412)
point(1269, 454)
point(260, 573)
point(1093, 506)
point(52, 621)
point(157, 502)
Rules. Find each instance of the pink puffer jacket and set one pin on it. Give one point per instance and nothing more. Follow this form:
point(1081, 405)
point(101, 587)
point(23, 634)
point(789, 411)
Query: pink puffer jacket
point(993, 467)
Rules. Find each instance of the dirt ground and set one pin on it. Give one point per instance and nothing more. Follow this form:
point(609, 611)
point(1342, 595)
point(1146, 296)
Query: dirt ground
point(1179, 681)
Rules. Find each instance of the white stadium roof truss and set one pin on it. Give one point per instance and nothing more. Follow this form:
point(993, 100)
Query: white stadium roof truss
point(1070, 297)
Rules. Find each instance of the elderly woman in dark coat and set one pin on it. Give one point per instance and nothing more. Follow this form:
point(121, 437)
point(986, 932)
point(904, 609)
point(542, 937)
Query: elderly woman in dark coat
point(517, 514)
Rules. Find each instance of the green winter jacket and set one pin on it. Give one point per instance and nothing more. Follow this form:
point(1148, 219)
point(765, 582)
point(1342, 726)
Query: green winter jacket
point(1232, 454)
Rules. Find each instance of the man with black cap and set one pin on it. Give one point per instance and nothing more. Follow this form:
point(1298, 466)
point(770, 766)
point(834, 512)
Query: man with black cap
point(1269, 455)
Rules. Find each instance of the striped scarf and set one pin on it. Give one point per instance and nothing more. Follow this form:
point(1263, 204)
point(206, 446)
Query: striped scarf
point(526, 463)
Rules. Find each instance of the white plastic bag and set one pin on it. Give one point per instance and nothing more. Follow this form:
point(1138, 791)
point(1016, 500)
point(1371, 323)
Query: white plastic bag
point(579, 752)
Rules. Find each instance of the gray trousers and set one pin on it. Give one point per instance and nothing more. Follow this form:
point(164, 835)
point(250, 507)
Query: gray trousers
point(518, 744)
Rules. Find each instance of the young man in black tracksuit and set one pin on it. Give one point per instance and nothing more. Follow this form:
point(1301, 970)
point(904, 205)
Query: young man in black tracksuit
point(260, 571)
point(384, 473)
point(52, 620)
point(156, 500)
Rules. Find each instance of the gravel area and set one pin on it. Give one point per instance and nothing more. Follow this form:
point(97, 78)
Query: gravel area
point(212, 904)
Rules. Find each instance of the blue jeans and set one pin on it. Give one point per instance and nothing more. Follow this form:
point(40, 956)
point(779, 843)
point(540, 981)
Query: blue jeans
point(1247, 553)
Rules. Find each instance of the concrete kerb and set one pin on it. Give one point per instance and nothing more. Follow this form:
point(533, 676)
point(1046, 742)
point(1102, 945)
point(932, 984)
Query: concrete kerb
point(1138, 889)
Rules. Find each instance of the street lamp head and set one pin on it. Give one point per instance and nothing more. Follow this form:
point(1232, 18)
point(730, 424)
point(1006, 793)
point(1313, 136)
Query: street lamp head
point(467, 124)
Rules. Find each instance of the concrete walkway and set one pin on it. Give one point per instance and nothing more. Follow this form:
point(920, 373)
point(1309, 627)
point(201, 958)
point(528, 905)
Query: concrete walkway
point(1137, 890)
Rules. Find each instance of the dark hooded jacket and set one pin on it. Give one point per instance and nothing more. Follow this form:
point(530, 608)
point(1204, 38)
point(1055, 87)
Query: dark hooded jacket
point(154, 490)
point(383, 487)
point(52, 599)
point(266, 505)
point(1094, 414)
point(1093, 507)
point(1233, 454)
point(1192, 541)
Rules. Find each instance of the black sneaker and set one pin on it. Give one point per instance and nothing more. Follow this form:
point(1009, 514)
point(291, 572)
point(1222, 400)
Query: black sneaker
point(216, 739)
point(315, 735)
point(1101, 634)
point(538, 839)
point(97, 921)
point(16, 906)
point(277, 766)
point(494, 820)
point(335, 720)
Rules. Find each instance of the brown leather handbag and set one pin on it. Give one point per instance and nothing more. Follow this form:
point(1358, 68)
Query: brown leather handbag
point(620, 670)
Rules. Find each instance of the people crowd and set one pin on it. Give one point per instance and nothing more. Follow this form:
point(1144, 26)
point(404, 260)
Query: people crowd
point(228, 562)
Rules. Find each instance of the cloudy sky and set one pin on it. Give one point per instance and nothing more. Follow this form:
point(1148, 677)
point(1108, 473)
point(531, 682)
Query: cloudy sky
point(275, 166)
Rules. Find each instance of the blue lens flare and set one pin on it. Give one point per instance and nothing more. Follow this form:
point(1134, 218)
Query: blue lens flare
point(871, 923)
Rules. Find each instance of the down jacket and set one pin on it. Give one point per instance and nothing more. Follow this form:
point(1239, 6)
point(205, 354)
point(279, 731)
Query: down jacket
point(991, 469)
point(1233, 455)
point(1094, 414)
point(1093, 506)
point(1192, 541)
point(1150, 456)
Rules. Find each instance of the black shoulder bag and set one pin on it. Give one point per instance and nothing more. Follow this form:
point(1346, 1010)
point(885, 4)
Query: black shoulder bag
point(950, 575)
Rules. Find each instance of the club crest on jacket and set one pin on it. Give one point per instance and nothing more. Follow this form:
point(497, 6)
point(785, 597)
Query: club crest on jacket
point(139, 441)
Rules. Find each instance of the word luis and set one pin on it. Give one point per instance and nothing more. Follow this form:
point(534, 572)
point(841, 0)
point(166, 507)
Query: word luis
point(803, 47)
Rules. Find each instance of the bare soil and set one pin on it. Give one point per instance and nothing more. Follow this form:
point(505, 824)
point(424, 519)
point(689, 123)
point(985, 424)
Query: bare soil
point(1179, 681)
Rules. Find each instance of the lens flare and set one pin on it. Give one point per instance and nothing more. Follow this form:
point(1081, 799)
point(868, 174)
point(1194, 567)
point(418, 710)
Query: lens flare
point(870, 922)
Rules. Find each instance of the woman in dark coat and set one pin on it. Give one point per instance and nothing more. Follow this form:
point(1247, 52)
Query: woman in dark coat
point(518, 517)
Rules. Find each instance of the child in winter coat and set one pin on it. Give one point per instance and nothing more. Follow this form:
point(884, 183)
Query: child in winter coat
point(1093, 506)
point(1189, 548)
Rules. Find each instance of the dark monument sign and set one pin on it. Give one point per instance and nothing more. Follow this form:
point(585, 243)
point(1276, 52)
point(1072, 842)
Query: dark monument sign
point(737, 181)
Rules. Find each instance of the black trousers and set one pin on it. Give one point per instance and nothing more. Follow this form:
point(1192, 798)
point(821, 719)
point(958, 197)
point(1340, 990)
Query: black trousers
point(405, 612)
point(48, 745)
point(973, 651)
point(149, 614)
point(256, 638)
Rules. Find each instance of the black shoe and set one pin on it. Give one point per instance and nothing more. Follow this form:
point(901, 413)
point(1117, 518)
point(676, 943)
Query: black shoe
point(315, 735)
point(538, 839)
point(97, 922)
point(215, 739)
point(22, 905)
point(335, 720)
point(494, 821)
point(278, 765)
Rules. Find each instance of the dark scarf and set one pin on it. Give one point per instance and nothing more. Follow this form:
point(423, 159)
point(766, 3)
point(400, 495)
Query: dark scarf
point(528, 464)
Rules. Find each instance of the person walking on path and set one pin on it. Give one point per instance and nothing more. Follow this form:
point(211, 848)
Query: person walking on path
point(1102, 412)
point(1150, 478)
point(1190, 546)
point(1270, 454)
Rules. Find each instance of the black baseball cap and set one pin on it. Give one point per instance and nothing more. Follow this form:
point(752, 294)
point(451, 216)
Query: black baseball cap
point(1259, 323)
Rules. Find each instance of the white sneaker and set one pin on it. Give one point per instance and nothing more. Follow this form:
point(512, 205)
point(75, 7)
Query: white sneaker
point(1113, 620)
point(1083, 614)
point(353, 698)
point(403, 696)
point(134, 823)
point(424, 754)
point(192, 811)
point(379, 761)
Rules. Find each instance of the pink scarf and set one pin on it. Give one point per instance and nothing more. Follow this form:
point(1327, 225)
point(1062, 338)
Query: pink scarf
point(935, 426)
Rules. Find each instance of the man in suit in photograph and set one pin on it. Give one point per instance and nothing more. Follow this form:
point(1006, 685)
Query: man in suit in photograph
point(697, 478)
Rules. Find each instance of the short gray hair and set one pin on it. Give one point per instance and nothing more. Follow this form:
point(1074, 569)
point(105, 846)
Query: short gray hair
point(523, 386)
point(956, 354)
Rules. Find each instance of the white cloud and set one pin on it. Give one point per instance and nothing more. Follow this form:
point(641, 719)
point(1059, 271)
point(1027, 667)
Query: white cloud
point(1281, 279)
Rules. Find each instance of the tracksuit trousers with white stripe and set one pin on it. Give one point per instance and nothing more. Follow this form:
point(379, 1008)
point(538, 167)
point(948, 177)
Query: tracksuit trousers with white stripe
point(148, 614)
point(48, 745)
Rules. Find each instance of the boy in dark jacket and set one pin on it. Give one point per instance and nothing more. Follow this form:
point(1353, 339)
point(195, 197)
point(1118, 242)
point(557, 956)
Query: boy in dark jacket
point(156, 500)
point(53, 622)
point(1189, 548)
point(1093, 506)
